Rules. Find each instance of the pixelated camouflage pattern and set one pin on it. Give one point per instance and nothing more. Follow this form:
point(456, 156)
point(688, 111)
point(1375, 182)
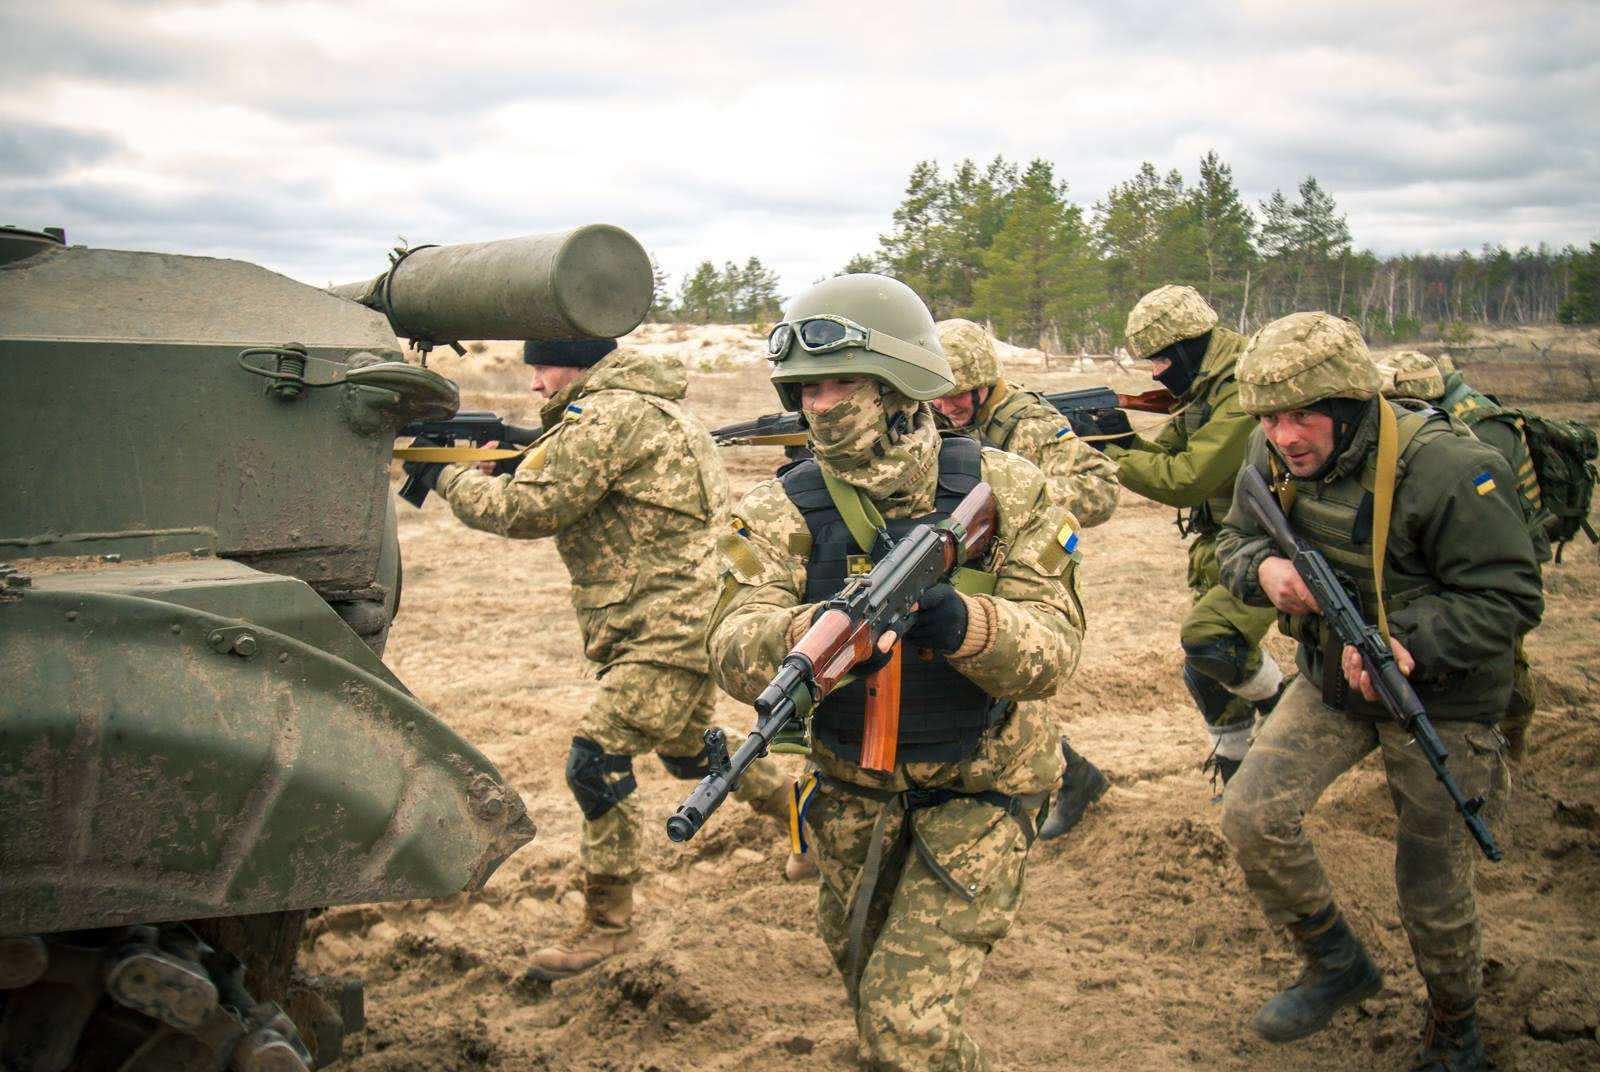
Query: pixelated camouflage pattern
point(851, 441)
point(1038, 621)
point(642, 708)
point(927, 944)
point(1164, 316)
point(1411, 374)
point(1304, 358)
point(970, 351)
point(1193, 460)
point(630, 485)
point(1297, 754)
point(1079, 477)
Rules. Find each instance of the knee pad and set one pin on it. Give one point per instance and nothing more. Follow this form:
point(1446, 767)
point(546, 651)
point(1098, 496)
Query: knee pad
point(1210, 695)
point(587, 767)
point(689, 768)
point(1221, 658)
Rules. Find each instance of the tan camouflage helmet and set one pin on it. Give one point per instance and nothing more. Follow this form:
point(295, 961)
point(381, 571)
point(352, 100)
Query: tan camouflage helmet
point(970, 351)
point(1445, 363)
point(1167, 315)
point(1415, 375)
point(1304, 358)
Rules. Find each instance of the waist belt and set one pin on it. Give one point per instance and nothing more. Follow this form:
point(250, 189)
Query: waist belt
point(906, 803)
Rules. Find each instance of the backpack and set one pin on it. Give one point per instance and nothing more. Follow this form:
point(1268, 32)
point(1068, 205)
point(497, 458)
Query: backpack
point(1563, 455)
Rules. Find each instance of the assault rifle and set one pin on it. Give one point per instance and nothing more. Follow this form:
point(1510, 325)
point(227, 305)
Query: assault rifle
point(1344, 617)
point(1092, 411)
point(478, 427)
point(844, 634)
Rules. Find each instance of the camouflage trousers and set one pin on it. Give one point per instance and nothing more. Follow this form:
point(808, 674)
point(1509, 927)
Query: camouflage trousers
point(1297, 754)
point(924, 942)
point(643, 707)
point(1216, 614)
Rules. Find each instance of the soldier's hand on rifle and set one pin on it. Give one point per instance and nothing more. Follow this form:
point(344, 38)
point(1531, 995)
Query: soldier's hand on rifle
point(940, 621)
point(1355, 671)
point(1282, 584)
point(488, 468)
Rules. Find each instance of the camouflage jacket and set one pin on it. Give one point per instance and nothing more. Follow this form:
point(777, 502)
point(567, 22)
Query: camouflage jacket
point(630, 485)
point(1080, 478)
point(1193, 461)
point(1460, 580)
point(1033, 646)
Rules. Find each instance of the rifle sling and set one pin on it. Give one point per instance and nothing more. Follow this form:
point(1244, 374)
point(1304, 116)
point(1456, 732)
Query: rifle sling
point(458, 455)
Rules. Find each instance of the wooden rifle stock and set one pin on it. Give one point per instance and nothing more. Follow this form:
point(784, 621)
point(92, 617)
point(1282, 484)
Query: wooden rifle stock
point(1159, 400)
point(880, 734)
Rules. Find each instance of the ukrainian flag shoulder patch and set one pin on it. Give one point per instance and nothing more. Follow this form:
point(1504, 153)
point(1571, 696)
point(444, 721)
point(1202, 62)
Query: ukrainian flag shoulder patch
point(573, 408)
point(1483, 482)
point(1067, 537)
point(1065, 432)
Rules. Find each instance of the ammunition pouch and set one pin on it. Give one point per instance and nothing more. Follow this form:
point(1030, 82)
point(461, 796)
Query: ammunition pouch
point(587, 767)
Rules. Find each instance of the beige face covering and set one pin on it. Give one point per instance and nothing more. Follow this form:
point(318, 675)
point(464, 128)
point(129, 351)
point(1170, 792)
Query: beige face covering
point(852, 442)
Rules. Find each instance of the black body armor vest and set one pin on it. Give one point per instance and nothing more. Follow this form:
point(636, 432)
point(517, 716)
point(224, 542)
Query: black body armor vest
point(944, 713)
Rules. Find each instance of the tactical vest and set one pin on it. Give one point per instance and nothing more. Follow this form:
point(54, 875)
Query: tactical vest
point(1002, 424)
point(1337, 519)
point(945, 713)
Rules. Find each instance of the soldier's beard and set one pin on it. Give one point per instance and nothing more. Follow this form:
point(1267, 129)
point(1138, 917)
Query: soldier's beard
point(853, 442)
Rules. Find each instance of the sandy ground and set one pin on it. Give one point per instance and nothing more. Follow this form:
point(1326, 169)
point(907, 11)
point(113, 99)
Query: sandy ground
point(1138, 946)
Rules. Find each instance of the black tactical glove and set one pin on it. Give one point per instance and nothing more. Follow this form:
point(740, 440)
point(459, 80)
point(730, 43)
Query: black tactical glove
point(940, 620)
point(425, 473)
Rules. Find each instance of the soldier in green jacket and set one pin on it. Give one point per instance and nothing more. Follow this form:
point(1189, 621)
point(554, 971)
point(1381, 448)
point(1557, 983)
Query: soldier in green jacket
point(1417, 375)
point(922, 867)
point(1191, 464)
point(629, 484)
point(1007, 417)
point(1424, 521)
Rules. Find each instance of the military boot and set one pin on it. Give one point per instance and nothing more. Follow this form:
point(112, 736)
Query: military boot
point(799, 867)
point(1081, 786)
point(1338, 972)
point(1451, 1043)
point(606, 930)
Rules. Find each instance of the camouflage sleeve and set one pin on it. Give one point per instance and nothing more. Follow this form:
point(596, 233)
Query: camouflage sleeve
point(1034, 618)
point(1459, 502)
point(1080, 478)
point(763, 576)
point(1205, 466)
point(562, 478)
point(1242, 545)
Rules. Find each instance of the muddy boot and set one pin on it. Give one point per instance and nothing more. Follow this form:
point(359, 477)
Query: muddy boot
point(606, 930)
point(1338, 972)
point(798, 867)
point(1451, 1043)
point(1081, 786)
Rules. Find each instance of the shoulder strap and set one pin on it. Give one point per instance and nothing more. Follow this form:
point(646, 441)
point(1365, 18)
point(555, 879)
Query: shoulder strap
point(1383, 499)
point(1008, 414)
point(860, 516)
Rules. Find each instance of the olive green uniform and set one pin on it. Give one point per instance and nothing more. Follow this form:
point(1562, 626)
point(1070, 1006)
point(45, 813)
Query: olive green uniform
point(1191, 464)
point(1460, 584)
point(913, 957)
point(630, 486)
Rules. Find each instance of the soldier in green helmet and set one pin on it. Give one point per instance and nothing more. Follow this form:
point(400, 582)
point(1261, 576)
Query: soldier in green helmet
point(922, 867)
point(629, 484)
point(1191, 464)
point(1424, 521)
point(1416, 375)
point(1008, 417)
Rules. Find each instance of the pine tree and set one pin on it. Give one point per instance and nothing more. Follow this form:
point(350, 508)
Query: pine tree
point(700, 296)
point(660, 293)
point(861, 263)
point(1223, 227)
point(1583, 288)
point(972, 214)
point(910, 251)
point(758, 299)
point(1148, 234)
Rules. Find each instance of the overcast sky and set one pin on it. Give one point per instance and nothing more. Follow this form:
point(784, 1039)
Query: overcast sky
point(307, 136)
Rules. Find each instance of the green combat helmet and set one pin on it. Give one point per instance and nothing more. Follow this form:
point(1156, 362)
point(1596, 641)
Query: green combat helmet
point(1414, 375)
point(1304, 358)
point(859, 325)
point(1164, 316)
point(970, 351)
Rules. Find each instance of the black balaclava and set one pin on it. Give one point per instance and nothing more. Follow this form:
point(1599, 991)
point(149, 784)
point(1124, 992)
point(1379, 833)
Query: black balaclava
point(568, 353)
point(1185, 356)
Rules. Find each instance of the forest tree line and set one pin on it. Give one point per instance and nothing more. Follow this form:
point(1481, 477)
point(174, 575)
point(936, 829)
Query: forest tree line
point(1007, 245)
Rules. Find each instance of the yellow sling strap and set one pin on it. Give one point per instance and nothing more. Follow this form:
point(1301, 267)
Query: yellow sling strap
point(1383, 503)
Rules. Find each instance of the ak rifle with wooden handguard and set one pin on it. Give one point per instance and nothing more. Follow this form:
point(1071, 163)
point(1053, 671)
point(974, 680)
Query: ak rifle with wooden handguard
point(1093, 412)
point(844, 634)
point(478, 427)
point(1342, 615)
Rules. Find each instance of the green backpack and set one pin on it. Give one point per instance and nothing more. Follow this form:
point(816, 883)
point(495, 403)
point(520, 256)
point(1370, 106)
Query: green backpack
point(1563, 455)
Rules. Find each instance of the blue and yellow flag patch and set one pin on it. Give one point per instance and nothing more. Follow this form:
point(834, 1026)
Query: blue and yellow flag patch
point(574, 409)
point(1067, 537)
point(1065, 431)
point(1483, 482)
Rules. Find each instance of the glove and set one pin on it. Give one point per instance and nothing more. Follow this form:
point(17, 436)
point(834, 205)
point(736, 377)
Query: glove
point(425, 473)
point(940, 620)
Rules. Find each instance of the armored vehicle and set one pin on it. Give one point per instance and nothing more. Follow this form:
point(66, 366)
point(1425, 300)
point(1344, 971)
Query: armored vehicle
point(199, 741)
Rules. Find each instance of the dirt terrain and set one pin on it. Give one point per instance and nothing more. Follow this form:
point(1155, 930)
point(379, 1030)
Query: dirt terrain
point(1138, 946)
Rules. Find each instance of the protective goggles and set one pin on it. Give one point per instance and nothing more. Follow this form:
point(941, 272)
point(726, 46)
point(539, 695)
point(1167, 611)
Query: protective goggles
point(825, 333)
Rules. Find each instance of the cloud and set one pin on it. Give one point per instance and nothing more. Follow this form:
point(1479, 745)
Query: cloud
point(308, 135)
